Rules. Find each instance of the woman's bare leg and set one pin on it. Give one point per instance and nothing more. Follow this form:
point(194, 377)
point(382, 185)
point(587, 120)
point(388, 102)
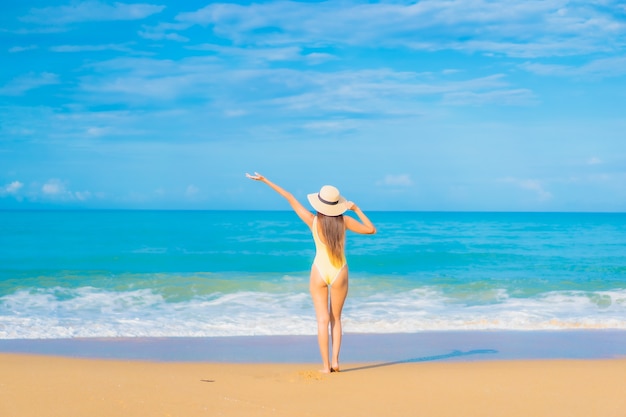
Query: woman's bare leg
point(338, 294)
point(319, 294)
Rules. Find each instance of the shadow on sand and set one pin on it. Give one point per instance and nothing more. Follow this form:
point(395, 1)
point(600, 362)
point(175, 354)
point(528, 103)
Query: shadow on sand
point(453, 354)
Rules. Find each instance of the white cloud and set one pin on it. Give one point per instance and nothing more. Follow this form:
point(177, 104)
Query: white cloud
point(386, 92)
point(53, 187)
point(16, 49)
point(90, 11)
point(533, 185)
point(331, 126)
point(260, 54)
point(20, 85)
point(522, 28)
point(605, 67)
point(223, 88)
point(96, 131)
point(514, 97)
point(12, 188)
point(135, 80)
point(594, 161)
point(164, 31)
point(82, 195)
point(401, 180)
point(192, 191)
point(157, 36)
point(316, 58)
point(235, 112)
point(91, 48)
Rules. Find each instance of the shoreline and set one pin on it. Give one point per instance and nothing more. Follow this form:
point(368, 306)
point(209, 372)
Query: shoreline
point(443, 346)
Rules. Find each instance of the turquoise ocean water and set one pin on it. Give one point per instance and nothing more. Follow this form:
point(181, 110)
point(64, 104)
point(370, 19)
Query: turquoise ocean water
point(228, 273)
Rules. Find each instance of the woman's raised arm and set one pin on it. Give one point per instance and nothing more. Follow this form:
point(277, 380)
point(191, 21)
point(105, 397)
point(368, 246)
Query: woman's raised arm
point(365, 226)
point(300, 210)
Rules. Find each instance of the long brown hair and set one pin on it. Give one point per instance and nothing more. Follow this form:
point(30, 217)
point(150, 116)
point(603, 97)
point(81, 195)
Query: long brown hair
point(334, 232)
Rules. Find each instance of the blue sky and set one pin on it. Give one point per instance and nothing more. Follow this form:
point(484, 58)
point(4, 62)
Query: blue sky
point(429, 105)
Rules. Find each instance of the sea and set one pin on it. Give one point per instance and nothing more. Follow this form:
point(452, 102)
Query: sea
point(119, 274)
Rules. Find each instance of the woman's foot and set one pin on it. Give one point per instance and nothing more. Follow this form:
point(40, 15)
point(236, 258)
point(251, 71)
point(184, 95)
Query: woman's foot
point(334, 369)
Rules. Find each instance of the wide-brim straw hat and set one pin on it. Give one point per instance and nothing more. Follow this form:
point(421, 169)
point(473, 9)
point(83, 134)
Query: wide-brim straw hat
point(328, 201)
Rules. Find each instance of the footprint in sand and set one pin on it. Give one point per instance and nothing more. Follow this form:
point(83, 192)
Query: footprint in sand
point(311, 375)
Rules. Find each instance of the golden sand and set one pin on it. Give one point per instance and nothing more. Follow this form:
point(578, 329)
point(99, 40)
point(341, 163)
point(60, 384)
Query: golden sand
point(46, 386)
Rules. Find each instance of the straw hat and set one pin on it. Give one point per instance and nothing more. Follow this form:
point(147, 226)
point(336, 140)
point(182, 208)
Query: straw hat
point(328, 201)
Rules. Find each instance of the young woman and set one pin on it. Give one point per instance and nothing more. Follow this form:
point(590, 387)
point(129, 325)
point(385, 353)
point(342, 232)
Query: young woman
point(329, 273)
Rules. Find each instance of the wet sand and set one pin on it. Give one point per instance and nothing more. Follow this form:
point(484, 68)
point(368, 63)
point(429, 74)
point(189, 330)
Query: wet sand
point(446, 346)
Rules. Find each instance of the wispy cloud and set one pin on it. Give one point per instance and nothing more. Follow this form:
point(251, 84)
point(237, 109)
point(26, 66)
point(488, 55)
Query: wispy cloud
point(192, 192)
point(164, 31)
point(90, 11)
point(208, 90)
point(514, 97)
point(533, 185)
point(398, 180)
point(91, 48)
point(53, 188)
point(521, 28)
point(152, 86)
point(603, 67)
point(393, 93)
point(56, 190)
point(24, 83)
point(11, 188)
point(17, 49)
point(259, 55)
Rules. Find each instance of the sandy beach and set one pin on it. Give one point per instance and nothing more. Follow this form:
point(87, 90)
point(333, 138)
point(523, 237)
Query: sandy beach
point(46, 386)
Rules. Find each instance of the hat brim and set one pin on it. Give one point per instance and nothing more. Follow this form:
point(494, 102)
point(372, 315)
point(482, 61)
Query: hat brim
point(328, 209)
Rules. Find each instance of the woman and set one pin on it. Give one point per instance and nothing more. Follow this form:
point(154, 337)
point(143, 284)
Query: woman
point(329, 272)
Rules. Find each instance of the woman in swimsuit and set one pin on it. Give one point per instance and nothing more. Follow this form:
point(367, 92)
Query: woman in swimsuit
point(329, 273)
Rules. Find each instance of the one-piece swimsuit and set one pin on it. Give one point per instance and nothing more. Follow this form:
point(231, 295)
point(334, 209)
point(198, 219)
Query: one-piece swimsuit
point(322, 261)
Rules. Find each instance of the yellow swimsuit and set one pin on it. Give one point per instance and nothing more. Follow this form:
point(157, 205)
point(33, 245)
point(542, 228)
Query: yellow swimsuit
point(322, 262)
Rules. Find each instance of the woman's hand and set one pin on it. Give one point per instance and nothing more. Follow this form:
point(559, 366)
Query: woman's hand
point(364, 227)
point(256, 176)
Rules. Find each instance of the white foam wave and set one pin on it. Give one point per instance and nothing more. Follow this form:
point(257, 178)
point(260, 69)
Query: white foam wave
point(92, 312)
point(548, 311)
